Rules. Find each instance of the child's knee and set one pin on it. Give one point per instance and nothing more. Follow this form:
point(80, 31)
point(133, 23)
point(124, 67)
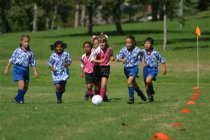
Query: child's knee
point(148, 81)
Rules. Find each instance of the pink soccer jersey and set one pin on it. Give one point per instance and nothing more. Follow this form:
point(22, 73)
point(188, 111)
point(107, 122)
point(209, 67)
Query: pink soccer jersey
point(99, 54)
point(86, 64)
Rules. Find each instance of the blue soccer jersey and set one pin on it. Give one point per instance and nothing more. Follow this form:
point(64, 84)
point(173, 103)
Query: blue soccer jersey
point(23, 58)
point(152, 59)
point(133, 57)
point(57, 62)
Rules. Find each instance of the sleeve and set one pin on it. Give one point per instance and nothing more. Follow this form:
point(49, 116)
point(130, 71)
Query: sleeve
point(141, 54)
point(32, 60)
point(51, 61)
point(82, 63)
point(160, 58)
point(94, 54)
point(68, 59)
point(120, 55)
point(13, 57)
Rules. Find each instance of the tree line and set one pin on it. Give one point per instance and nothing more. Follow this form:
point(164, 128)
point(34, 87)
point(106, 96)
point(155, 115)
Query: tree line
point(35, 15)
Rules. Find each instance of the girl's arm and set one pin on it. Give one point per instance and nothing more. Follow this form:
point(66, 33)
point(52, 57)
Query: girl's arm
point(7, 68)
point(35, 71)
point(97, 61)
point(112, 57)
point(82, 72)
point(164, 68)
point(123, 60)
point(143, 61)
point(66, 65)
point(52, 68)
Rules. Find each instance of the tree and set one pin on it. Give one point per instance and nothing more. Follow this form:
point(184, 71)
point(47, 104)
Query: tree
point(4, 6)
point(164, 27)
point(114, 9)
point(90, 18)
point(116, 13)
point(35, 17)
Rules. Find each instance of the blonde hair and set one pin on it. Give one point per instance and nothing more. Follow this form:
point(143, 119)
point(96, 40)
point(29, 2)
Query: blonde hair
point(24, 36)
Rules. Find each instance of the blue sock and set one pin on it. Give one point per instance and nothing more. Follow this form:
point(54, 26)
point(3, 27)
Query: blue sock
point(20, 95)
point(59, 95)
point(131, 93)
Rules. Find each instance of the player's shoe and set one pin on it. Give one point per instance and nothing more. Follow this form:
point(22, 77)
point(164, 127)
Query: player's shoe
point(59, 101)
point(130, 101)
point(151, 99)
point(17, 102)
point(105, 99)
point(86, 97)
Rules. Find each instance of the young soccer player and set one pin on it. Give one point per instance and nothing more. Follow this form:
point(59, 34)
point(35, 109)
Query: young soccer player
point(95, 42)
point(22, 58)
point(59, 62)
point(131, 56)
point(87, 68)
point(150, 70)
point(102, 56)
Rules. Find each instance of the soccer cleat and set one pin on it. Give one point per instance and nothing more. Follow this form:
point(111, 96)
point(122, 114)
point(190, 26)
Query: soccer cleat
point(151, 99)
point(17, 102)
point(130, 101)
point(59, 101)
point(105, 99)
point(86, 97)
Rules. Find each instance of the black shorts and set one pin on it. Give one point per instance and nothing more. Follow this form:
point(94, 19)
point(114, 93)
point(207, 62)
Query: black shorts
point(96, 72)
point(89, 78)
point(104, 71)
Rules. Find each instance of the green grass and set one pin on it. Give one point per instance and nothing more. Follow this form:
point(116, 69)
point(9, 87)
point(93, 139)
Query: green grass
point(42, 118)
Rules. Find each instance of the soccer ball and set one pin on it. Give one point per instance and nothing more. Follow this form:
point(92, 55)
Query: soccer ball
point(97, 99)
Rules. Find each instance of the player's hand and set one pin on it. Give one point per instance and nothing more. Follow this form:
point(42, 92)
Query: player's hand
point(164, 72)
point(36, 75)
point(101, 61)
point(144, 64)
point(124, 60)
point(81, 75)
point(5, 72)
point(66, 65)
point(112, 58)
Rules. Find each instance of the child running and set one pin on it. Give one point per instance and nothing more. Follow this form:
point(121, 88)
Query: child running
point(150, 70)
point(95, 45)
point(102, 56)
point(58, 63)
point(87, 69)
point(22, 58)
point(131, 56)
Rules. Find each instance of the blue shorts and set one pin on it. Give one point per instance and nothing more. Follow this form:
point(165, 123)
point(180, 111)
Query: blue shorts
point(131, 71)
point(20, 73)
point(150, 71)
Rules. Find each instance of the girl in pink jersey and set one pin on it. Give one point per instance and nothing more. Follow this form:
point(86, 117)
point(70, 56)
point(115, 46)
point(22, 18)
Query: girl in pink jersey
point(102, 56)
point(87, 69)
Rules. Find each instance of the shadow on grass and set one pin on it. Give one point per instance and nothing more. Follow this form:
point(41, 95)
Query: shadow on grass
point(189, 47)
point(113, 33)
point(115, 99)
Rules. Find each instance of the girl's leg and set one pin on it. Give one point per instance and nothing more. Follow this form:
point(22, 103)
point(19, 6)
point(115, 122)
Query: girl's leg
point(63, 86)
point(89, 89)
point(97, 89)
point(138, 90)
point(130, 89)
point(148, 83)
point(58, 93)
point(21, 91)
point(103, 88)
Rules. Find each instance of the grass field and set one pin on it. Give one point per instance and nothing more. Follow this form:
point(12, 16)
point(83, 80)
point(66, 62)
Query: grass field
point(42, 118)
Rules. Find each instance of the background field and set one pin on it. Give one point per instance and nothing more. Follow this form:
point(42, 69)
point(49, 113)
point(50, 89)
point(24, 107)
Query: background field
point(42, 118)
